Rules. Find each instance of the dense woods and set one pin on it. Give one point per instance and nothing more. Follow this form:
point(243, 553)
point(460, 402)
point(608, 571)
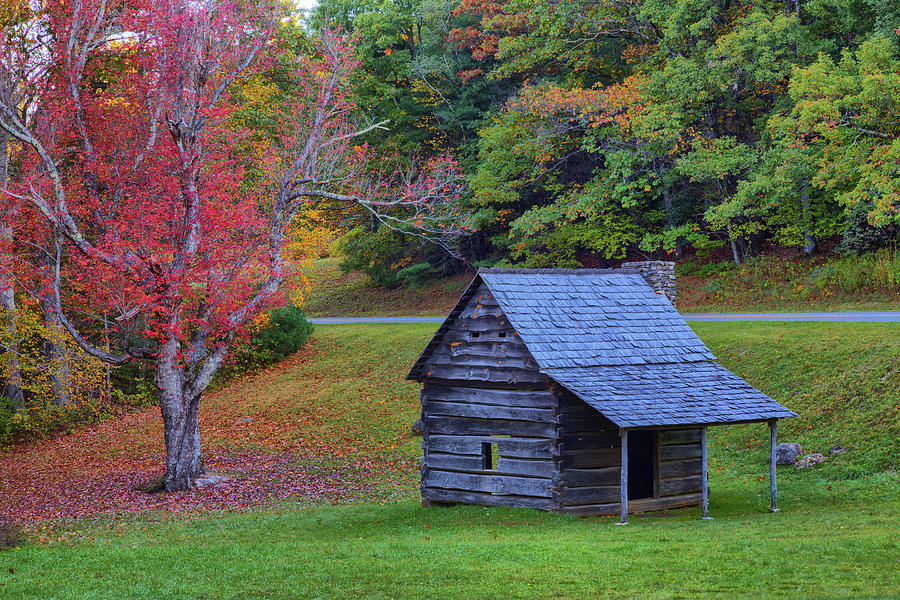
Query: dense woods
point(591, 131)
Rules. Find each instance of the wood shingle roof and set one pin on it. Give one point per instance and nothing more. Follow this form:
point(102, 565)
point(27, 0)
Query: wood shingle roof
point(607, 337)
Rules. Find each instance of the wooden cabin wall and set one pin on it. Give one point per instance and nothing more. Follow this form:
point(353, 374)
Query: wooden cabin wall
point(590, 461)
point(482, 346)
point(680, 467)
point(458, 420)
point(590, 458)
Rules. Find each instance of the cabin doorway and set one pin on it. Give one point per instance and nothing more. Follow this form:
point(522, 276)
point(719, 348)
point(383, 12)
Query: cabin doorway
point(641, 463)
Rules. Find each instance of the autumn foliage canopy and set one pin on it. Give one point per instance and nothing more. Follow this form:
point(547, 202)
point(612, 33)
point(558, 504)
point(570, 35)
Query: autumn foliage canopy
point(130, 198)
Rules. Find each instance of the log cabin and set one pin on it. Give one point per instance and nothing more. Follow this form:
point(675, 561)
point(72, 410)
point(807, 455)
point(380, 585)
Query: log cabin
point(577, 391)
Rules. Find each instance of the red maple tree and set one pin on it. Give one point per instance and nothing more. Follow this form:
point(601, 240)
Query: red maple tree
point(129, 200)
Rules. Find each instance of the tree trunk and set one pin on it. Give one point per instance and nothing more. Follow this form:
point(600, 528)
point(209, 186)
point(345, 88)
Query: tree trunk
point(180, 413)
point(670, 220)
point(734, 252)
point(184, 456)
point(809, 238)
point(734, 247)
point(57, 354)
point(12, 387)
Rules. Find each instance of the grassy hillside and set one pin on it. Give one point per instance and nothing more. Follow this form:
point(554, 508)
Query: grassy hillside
point(762, 284)
point(842, 379)
point(330, 426)
point(334, 294)
point(797, 283)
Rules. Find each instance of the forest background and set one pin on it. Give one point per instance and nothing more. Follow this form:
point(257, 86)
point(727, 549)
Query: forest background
point(594, 131)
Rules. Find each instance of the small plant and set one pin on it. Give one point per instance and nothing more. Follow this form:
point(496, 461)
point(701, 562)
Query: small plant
point(876, 271)
point(11, 535)
point(695, 267)
point(713, 287)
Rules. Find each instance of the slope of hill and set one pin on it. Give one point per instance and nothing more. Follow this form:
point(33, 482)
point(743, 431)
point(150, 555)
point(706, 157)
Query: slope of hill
point(764, 284)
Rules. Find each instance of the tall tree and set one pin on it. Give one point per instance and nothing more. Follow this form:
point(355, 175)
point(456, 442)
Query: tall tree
point(132, 175)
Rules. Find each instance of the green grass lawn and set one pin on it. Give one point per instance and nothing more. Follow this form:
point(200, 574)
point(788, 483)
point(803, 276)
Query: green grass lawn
point(836, 536)
point(826, 543)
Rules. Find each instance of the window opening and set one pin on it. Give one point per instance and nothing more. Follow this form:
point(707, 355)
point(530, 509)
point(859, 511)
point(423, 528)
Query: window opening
point(490, 456)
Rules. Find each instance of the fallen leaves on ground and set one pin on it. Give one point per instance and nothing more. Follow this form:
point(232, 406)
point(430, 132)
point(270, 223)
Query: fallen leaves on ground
point(272, 442)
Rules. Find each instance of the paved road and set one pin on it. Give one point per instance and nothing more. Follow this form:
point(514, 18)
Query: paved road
point(878, 317)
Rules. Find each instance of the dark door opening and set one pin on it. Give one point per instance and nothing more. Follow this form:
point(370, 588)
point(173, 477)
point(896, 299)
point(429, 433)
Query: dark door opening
point(641, 450)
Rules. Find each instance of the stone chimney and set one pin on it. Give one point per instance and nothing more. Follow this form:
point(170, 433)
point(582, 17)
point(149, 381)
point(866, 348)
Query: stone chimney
point(660, 274)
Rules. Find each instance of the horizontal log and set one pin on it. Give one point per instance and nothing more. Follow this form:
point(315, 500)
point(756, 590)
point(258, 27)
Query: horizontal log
point(453, 462)
point(499, 336)
point(679, 451)
point(678, 436)
point(495, 484)
point(600, 457)
point(523, 398)
point(679, 485)
point(513, 447)
point(590, 440)
point(589, 477)
point(437, 495)
point(581, 413)
point(680, 468)
point(634, 506)
point(441, 357)
point(591, 424)
point(475, 465)
point(497, 374)
point(481, 323)
point(530, 468)
point(588, 495)
point(570, 401)
point(487, 411)
point(468, 426)
point(485, 349)
point(481, 309)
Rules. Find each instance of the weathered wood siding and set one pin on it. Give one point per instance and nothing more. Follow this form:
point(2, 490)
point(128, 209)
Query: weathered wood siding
point(458, 421)
point(482, 346)
point(590, 459)
point(680, 465)
point(590, 455)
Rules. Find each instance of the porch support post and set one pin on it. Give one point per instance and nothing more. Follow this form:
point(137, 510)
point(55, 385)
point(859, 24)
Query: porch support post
point(772, 442)
point(623, 482)
point(704, 474)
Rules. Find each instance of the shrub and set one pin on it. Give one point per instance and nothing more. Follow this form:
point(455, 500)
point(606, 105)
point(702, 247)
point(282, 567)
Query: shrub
point(286, 333)
point(39, 417)
point(392, 259)
point(283, 332)
point(417, 275)
point(860, 237)
point(876, 271)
